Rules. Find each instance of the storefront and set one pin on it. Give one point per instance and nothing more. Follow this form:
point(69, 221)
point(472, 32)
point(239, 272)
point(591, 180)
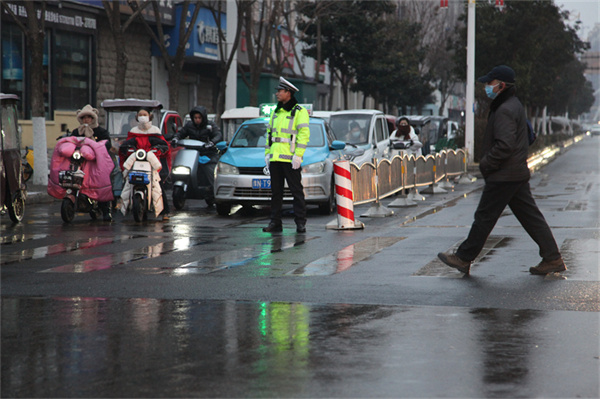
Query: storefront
point(69, 59)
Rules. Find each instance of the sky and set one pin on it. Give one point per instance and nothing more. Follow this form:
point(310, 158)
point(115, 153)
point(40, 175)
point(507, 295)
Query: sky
point(588, 10)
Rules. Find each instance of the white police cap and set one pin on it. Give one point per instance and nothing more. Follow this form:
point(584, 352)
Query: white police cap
point(285, 85)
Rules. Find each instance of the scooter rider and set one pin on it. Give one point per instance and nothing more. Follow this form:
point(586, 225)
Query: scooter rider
point(88, 119)
point(200, 128)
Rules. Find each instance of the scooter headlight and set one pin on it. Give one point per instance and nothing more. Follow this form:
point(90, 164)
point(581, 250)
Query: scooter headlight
point(314, 168)
point(77, 155)
point(181, 170)
point(227, 169)
point(140, 155)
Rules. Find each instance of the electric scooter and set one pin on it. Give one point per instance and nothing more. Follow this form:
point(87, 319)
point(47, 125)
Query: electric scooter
point(141, 184)
point(74, 201)
point(192, 165)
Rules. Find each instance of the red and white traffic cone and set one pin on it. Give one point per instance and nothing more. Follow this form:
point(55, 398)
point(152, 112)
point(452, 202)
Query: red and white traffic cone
point(344, 199)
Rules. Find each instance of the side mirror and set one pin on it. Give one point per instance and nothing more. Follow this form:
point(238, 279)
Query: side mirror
point(221, 145)
point(337, 145)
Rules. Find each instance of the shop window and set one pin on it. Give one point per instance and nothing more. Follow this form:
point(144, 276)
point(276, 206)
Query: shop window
point(72, 66)
point(12, 60)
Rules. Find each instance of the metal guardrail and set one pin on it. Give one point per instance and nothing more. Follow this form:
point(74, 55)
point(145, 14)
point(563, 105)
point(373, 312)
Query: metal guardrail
point(379, 179)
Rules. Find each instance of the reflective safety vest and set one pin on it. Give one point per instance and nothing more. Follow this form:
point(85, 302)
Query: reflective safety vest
point(288, 134)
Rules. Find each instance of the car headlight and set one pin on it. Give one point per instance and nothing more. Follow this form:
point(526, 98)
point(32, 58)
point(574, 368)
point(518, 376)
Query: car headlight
point(314, 168)
point(181, 170)
point(226, 169)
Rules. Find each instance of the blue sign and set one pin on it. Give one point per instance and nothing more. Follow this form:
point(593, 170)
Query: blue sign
point(204, 40)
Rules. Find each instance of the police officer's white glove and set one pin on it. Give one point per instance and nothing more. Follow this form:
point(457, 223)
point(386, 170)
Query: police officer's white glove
point(267, 160)
point(296, 161)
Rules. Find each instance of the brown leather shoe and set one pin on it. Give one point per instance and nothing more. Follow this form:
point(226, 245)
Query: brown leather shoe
point(273, 228)
point(548, 266)
point(454, 261)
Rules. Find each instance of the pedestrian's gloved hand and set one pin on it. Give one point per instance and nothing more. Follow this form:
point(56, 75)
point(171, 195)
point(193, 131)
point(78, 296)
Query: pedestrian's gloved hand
point(296, 161)
point(412, 142)
point(267, 160)
point(174, 142)
point(209, 144)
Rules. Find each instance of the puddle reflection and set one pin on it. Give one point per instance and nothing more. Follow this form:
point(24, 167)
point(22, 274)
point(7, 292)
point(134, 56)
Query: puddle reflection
point(144, 347)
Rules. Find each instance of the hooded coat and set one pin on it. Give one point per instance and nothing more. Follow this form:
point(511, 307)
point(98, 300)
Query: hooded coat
point(207, 131)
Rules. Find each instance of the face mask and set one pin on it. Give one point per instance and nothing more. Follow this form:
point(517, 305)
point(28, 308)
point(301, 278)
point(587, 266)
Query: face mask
point(143, 119)
point(356, 134)
point(489, 91)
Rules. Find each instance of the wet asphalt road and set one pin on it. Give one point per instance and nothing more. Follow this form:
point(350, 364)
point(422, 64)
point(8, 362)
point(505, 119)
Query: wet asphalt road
point(204, 306)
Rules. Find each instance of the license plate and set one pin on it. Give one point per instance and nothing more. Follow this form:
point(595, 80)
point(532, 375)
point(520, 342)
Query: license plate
point(261, 183)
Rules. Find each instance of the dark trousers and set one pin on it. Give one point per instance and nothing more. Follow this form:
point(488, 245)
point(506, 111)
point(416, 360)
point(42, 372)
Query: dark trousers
point(281, 171)
point(206, 177)
point(495, 197)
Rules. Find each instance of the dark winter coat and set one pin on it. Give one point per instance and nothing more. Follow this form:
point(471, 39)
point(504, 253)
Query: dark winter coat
point(207, 131)
point(505, 144)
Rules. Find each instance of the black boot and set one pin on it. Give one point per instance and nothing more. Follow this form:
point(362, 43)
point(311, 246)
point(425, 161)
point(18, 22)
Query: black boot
point(105, 208)
point(273, 228)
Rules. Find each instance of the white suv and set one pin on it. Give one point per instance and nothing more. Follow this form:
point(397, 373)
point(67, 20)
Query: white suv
point(365, 132)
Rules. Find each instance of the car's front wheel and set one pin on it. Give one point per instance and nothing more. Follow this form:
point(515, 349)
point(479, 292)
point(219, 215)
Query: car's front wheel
point(223, 208)
point(329, 207)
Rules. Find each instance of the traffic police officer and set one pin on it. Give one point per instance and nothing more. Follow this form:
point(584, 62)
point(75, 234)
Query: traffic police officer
point(288, 136)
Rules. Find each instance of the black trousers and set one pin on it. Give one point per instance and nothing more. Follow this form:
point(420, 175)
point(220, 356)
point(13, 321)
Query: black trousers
point(495, 197)
point(281, 171)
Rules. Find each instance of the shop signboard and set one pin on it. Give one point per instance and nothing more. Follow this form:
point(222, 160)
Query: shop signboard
point(204, 40)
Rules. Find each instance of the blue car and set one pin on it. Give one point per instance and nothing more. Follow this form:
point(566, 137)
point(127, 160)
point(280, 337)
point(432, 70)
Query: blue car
point(241, 176)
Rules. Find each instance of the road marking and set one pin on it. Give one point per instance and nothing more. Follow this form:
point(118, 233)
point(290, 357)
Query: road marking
point(120, 258)
point(437, 268)
point(346, 258)
point(61, 248)
point(257, 254)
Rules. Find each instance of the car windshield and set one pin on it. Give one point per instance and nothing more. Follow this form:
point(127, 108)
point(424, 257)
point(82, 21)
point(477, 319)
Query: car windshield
point(255, 135)
point(351, 128)
point(120, 122)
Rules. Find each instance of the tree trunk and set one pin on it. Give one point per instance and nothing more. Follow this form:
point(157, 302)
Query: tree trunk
point(121, 65)
point(35, 37)
point(174, 74)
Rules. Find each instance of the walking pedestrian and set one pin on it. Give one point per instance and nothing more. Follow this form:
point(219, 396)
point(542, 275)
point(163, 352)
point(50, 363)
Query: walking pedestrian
point(288, 134)
point(504, 167)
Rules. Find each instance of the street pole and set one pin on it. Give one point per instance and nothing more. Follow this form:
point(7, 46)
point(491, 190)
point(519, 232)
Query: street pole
point(470, 105)
point(231, 90)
